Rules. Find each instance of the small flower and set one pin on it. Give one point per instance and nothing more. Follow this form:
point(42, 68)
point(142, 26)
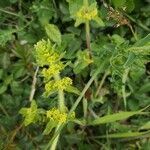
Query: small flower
point(52, 70)
point(45, 53)
point(87, 13)
point(57, 116)
point(63, 83)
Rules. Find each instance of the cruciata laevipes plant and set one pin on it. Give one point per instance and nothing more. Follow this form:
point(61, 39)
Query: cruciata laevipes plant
point(49, 59)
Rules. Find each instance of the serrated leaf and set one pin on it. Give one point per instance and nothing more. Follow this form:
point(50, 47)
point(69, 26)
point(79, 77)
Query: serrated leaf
point(114, 117)
point(53, 33)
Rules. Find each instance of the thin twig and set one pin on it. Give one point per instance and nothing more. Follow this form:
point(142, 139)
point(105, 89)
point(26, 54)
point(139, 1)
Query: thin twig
point(33, 85)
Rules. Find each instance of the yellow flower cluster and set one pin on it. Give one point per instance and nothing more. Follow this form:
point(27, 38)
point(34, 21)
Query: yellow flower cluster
point(61, 84)
point(52, 70)
point(45, 53)
point(56, 115)
point(47, 56)
point(86, 13)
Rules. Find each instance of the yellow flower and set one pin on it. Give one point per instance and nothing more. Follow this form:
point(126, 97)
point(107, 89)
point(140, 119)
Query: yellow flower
point(49, 87)
point(52, 70)
point(45, 53)
point(56, 115)
point(53, 86)
point(63, 83)
point(86, 13)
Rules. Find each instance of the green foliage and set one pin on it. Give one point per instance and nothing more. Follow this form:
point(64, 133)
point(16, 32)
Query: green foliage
point(53, 33)
point(114, 117)
point(90, 58)
point(30, 114)
point(128, 4)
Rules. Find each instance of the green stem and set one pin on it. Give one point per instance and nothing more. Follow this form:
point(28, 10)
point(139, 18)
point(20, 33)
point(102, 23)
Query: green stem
point(54, 138)
point(87, 30)
point(86, 88)
point(8, 12)
point(54, 144)
point(140, 24)
point(61, 105)
point(124, 79)
point(134, 34)
point(86, 3)
point(61, 99)
point(61, 126)
point(102, 82)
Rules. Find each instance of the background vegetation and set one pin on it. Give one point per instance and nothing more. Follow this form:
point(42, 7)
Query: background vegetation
point(114, 110)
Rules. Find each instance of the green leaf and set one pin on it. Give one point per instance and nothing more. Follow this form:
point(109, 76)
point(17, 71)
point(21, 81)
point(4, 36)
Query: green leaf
point(53, 33)
point(118, 39)
point(99, 21)
point(142, 42)
point(30, 114)
point(124, 135)
point(73, 89)
point(144, 88)
point(130, 5)
point(44, 10)
point(5, 36)
point(130, 60)
point(1, 73)
point(74, 6)
point(83, 60)
point(114, 117)
point(8, 79)
point(3, 88)
point(118, 3)
point(5, 60)
point(145, 126)
point(50, 125)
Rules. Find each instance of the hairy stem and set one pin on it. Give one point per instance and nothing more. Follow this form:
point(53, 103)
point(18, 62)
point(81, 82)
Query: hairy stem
point(54, 144)
point(61, 99)
point(124, 79)
point(61, 126)
point(61, 105)
point(87, 30)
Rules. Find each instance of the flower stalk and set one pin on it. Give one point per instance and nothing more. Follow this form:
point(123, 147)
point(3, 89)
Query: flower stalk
point(87, 30)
